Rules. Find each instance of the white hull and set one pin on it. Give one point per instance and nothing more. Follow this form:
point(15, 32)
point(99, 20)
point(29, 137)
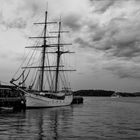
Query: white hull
point(39, 101)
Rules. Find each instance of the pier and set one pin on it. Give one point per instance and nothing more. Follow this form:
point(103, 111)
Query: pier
point(11, 99)
point(77, 100)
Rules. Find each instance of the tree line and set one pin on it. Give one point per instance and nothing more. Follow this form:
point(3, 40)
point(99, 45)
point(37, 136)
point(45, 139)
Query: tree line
point(103, 93)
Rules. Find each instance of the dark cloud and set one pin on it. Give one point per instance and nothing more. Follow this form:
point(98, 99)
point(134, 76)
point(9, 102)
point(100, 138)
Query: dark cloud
point(125, 42)
point(17, 23)
point(73, 21)
point(97, 33)
point(124, 71)
point(102, 5)
point(127, 49)
point(32, 7)
point(82, 43)
point(119, 38)
point(19, 12)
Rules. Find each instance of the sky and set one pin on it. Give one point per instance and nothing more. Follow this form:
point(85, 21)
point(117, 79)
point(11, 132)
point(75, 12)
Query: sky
point(105, 35)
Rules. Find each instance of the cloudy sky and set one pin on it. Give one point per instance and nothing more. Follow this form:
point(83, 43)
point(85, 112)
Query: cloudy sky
point(105, 35)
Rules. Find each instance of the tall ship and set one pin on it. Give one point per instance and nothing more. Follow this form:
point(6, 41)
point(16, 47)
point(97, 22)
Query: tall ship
point(44, 68)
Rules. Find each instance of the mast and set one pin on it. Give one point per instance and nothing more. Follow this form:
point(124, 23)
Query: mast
point(43, 54)
point(58, 58)
point(42, 67)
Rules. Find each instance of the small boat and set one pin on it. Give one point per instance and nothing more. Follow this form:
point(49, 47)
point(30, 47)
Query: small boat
point(49, 86)
point(115, 95)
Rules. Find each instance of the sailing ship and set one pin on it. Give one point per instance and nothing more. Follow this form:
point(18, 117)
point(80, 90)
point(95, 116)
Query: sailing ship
point(49, 87)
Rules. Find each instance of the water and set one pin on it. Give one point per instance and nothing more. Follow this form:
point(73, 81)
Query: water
point(98, 118)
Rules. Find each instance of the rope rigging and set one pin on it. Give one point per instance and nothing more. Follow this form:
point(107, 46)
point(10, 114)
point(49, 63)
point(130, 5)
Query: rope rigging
point(19, 76)
point(34, 81)
point(53, 76)
point(24, 79)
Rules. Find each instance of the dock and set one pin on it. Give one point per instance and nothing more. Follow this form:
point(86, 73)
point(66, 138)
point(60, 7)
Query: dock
point(11, 99)
point(78, 100)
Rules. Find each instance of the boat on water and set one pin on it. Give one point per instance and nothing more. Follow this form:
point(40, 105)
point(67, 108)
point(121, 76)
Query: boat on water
point(48, 86)
point(115, 95)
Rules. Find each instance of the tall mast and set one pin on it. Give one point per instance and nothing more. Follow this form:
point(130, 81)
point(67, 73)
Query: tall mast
point(58, 58)
point(43, 54)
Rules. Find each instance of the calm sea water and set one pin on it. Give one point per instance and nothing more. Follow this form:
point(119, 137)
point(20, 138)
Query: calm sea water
point(98, 118)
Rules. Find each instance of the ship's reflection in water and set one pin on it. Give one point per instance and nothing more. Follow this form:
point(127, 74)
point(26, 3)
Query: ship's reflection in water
point(37, 124)
point(99, 118)
point(49, 123)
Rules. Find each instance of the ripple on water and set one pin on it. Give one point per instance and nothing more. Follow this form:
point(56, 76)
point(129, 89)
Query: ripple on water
point(97, 119)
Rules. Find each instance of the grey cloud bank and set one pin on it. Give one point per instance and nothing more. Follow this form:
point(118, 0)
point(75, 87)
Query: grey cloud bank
point(105, 34)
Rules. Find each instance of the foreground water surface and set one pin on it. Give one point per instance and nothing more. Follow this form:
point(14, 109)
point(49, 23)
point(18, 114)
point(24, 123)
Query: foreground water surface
point(99, 118)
